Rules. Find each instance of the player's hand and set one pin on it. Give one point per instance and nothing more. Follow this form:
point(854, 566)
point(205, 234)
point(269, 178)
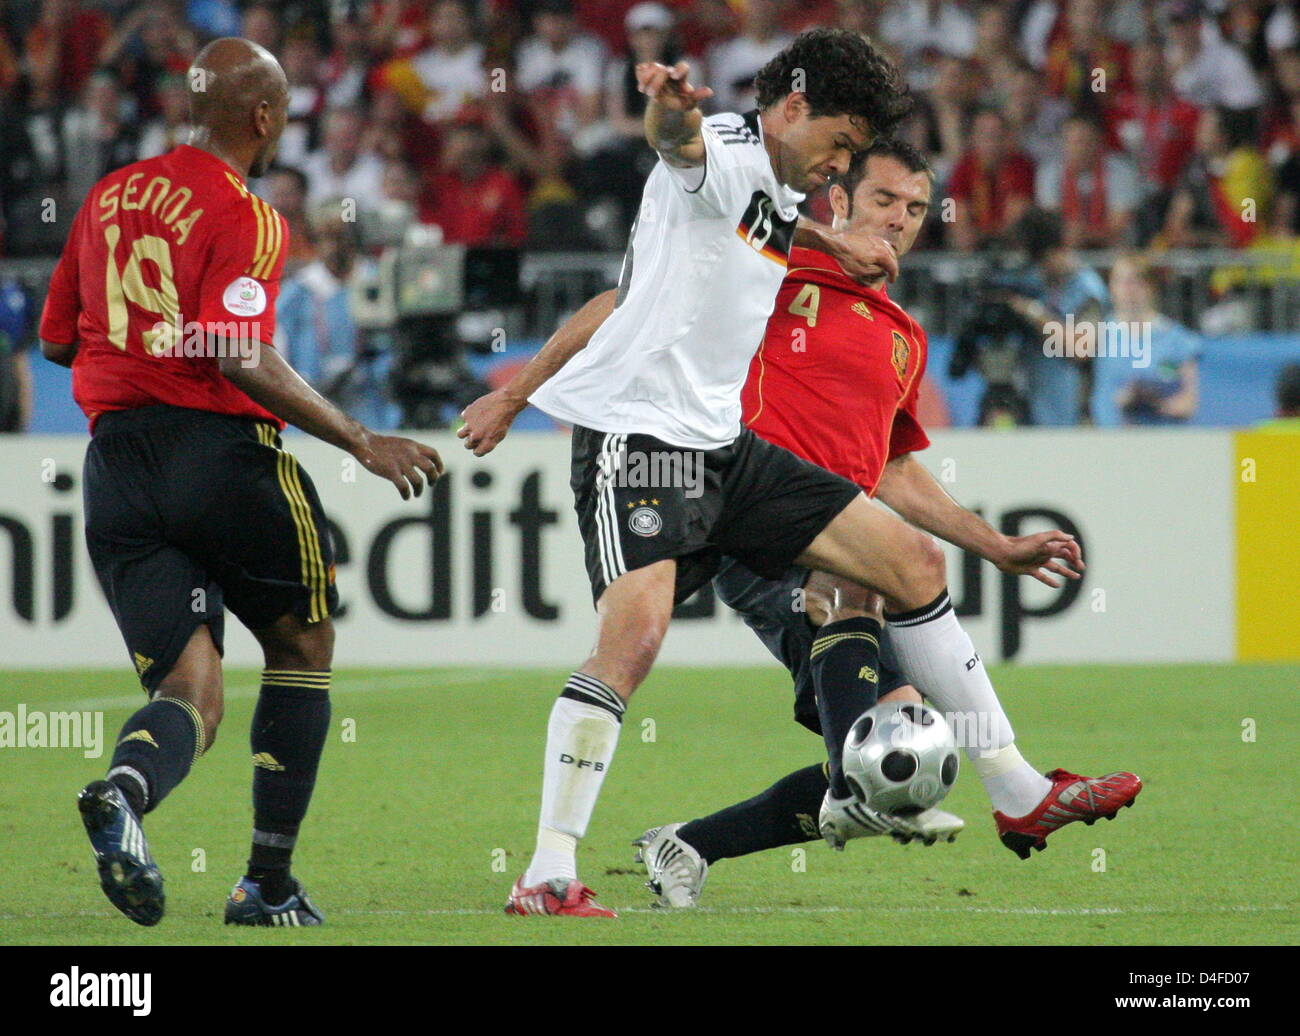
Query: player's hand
point(668, 87)
point(407, 464)
point(1044, 555)
point(864, 255)
point(487, 420)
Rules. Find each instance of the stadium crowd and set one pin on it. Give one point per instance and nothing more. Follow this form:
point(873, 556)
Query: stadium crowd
point(1146, 124)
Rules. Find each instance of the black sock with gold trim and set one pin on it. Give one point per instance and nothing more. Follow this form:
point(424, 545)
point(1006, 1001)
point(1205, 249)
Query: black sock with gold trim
point(155, 750)
point(845, 672)
point(784, 814)
point(288, 735)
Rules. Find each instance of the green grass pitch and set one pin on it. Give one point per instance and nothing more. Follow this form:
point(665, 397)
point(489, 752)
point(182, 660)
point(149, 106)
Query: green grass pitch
point(421, 823)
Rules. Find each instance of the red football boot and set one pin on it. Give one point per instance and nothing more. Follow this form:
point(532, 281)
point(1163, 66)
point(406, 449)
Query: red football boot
point(1072, 798)
point(557, 898)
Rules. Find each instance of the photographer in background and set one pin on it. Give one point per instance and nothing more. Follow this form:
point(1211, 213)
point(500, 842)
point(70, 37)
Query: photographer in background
point(1014, 317)
point(1052, 286)
point(315, 329)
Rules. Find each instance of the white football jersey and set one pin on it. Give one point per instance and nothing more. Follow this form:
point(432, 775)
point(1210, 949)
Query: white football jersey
point(705, 259)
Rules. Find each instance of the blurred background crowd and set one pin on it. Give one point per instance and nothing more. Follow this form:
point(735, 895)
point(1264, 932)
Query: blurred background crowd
point(1134, 158)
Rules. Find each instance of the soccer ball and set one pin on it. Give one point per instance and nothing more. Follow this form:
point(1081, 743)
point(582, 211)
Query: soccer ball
point(900, 757)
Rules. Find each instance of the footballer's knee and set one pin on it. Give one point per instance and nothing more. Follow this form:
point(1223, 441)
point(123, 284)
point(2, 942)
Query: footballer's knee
point(924, 573)
point(294, 644)
point(205, 697)
point(830, 599)
point(626, 664)
point(196, 680)
point(867, 605)
point(634, 614)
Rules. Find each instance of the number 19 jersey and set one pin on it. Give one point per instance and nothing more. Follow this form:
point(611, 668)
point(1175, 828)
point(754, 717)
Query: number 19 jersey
point(704, 262)
point(162, 254)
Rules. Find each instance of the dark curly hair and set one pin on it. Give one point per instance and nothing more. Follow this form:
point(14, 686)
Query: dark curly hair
point(842, 73)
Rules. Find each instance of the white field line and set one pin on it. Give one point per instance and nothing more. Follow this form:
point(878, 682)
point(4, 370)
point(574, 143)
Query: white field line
point(1247, 908)
point(241, 687)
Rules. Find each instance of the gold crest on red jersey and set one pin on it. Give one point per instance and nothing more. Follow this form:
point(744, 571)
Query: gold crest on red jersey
point(902, 352)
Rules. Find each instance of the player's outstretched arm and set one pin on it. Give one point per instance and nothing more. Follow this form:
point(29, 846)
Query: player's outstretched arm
point(273, 384)
point(864, 256)
point(672, 115)
point(907, 487)
point(489, 417)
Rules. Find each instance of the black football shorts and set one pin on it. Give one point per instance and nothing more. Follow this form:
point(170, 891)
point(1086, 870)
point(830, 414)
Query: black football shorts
point(189, 511)
point(640, 500)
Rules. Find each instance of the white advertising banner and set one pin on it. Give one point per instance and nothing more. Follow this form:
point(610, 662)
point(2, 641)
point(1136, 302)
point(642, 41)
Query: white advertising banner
point(488, 570)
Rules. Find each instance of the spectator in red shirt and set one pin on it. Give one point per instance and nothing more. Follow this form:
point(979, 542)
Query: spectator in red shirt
point(1153, 124)
point(66, 40)
point(1086, 66)
point(992, 184)
point(1096, 191)
point(1157, 129)
point(473, 200)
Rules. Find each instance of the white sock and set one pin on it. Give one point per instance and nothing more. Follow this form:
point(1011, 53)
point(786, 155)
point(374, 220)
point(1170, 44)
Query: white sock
point(1013, 786)
point(580, 741)
point(937, 655)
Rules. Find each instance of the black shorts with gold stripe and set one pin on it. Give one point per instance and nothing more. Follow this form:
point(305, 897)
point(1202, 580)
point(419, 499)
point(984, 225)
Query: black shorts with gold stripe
point(189, 512)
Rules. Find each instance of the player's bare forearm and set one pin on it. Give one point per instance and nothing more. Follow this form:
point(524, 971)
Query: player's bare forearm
point(569, 340)
point(910, 489)
point(907, 487)
point(274, 385)
point(488, 418)
point(675, 134)
point(864, 256)
point(810, 234)
point(672, 115)
point(59, 352)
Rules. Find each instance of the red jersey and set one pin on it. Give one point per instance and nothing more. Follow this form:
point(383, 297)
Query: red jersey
point(836, 378)
point(163, 253)
point(987, 191)
point(482, 212)
point(1167, 130)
